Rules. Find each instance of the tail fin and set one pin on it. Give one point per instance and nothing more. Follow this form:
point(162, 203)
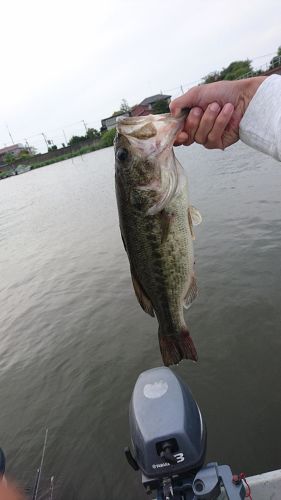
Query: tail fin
point(174, 348)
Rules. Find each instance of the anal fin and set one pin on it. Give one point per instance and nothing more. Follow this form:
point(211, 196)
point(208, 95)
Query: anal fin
point(191, 293)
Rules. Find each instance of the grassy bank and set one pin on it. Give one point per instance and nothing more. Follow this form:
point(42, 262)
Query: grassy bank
point(106, 141)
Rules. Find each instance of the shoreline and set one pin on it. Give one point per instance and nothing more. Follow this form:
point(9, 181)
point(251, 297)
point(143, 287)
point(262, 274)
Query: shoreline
point(27, 164)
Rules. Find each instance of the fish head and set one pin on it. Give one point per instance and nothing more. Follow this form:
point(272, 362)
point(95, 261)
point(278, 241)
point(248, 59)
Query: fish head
point(144, 158)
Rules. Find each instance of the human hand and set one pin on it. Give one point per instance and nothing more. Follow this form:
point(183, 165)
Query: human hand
point(216, 111)
point(8, 492)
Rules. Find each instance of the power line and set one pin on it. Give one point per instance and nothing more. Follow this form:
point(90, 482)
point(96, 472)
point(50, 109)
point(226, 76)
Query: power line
point(10, 133)
point(41, 137)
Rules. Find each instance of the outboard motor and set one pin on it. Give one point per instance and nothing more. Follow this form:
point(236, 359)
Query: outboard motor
point(168, 438)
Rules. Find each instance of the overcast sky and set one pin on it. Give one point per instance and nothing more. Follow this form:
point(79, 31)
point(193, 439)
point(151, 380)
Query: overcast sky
point(63, 61)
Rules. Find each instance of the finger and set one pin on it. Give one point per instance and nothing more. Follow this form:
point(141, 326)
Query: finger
point(214, 139)
point(181, 138)
point(187, 100)
point(191, 124)
point(207, 122)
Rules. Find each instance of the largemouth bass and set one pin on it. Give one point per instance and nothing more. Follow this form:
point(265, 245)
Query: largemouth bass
point(156, 223)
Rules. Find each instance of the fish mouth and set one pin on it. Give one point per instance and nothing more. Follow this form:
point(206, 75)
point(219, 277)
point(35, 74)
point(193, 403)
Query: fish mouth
point(151, 138)
point(150, 135)
point(129, 124)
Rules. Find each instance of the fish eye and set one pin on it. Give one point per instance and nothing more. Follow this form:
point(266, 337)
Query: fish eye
point(122, 154)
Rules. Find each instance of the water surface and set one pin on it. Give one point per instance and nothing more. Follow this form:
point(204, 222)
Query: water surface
point(74, 339)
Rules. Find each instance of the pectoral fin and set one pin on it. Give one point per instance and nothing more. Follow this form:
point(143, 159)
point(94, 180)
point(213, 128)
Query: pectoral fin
point(190, 224)
point(191, 294)
point(195, 215)
point(194, 219)
point(143, 299)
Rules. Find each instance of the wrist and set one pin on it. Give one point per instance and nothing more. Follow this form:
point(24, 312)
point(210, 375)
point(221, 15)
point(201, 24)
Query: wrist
point(250, 87)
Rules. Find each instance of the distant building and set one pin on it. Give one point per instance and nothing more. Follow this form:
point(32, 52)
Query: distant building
point(149, 101)
point(145, 107)
point(110, 122)
point(15, 150)
point(140, 110)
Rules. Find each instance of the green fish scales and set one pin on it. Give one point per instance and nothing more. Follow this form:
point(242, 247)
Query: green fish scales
point(156, 227)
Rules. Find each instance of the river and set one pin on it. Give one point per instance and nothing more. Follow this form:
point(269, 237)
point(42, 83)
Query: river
point(74, 339)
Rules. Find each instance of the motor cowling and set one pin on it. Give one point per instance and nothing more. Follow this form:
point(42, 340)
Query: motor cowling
point(167, 430)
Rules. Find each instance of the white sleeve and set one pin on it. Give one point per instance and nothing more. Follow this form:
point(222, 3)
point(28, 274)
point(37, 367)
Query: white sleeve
point(260, 126)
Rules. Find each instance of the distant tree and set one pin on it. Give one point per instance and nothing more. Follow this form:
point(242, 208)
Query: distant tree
point(26, 153)
point(52, 148)
point(257, 72)
point(161, 106)
point(212, 77)
point(9, 158)
point(107, 138)
point(236, 69)
point(32, 150)
point(76, 139)
point(233, 71)
point(92, 133)
point(124, 106)
point(276, 60)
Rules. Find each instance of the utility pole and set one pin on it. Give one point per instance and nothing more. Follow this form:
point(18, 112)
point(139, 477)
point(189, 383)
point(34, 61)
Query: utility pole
point(28, 146)
point(64, 135)
point(65, 138)
point(182, 91)
point(10, 134)
point(45, 139)
point(85, 125)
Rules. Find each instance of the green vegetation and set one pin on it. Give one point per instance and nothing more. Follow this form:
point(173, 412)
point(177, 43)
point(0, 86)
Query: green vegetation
point(160, 107)
point(6, 173)
point(107, 138)
point(26, 153)
point(124, 108)
point(91, 134)
point(239, 69)
point(9, 158)
point(275, 61)
point(233, 71)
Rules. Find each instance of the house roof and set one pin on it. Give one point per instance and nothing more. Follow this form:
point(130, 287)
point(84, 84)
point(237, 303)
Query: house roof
point(116, 115)
point(10, 149)
point(154, 98)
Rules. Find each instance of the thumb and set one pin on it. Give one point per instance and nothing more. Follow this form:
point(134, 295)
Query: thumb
point(187, 100)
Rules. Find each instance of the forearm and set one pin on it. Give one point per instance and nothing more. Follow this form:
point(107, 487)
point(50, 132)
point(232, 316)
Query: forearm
point(260, 126)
